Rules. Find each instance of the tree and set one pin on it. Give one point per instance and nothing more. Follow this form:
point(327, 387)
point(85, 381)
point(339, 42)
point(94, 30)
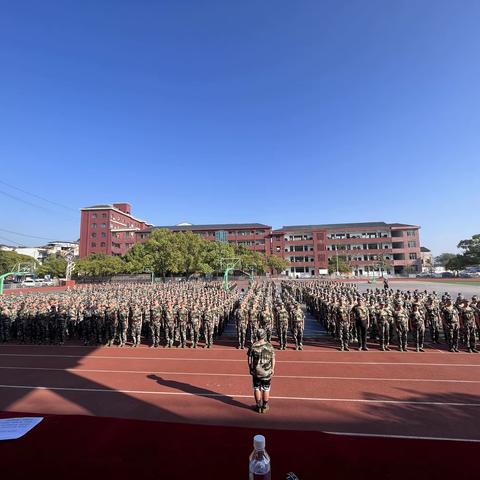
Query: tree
point(250, 260)
point(343, 265)
point(53, 266)
point(279, 264)
point(8, 260)
point(471, 250)
point(458, 262)
point(100, 265)
point(444, 258)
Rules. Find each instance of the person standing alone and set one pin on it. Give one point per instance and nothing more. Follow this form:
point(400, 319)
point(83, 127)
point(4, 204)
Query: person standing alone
point(261, 362)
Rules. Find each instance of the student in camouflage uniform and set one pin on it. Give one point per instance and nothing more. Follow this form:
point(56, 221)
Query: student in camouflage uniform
point(452, 324)
point(182, 318)
point(241, 323)
point(137, 322)
point(343, 314)
point(467, 318)
point(283, 327)
point(362, 323)
point(155, 324)
point(298, 325)
point(123, 317)
point(417, 319)
point(261, 363)
point(401, 322)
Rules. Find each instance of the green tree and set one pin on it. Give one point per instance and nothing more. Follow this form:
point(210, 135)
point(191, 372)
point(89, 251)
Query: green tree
point(471, 250)
point(343, 265)
point(99, 265)
point(458, 262)
point(53, 266)
point(279, 264)
point(8, 260)
point(444, 258)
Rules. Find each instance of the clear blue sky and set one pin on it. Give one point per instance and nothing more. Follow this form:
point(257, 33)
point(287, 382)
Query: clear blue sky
point(231, 111)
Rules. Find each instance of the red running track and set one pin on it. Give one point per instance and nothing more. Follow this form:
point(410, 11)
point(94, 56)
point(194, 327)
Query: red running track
point(432, 394)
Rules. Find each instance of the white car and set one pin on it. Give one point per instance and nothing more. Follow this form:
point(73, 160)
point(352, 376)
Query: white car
point(29, 282)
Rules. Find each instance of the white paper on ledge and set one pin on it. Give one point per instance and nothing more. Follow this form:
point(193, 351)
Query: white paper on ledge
point(13, 428)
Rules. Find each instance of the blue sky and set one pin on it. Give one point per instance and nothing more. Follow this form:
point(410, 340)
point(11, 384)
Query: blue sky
point(231, 111)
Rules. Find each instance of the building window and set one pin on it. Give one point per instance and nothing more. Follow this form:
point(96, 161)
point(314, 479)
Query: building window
point(104, 234)
point(104, 215)
point(104, 225)
point(410, 233)
point(94, 235)
point(103, 244)
point(412, 256)
point(94, 225)
point(412, 244)
point(94, 215)
point(93, 244)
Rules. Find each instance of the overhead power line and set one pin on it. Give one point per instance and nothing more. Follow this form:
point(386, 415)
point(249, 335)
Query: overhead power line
point(25, 235)
point(9, 240)
point(38, 196)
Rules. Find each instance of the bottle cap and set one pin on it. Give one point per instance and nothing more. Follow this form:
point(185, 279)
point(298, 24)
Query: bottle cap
point(259, 442)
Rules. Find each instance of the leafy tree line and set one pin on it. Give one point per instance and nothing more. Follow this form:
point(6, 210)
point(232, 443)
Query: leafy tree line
point(469, 256)
point(183, 253)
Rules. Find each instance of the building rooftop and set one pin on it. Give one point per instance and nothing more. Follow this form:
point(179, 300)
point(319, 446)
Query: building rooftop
point(327, 226)
point(214, 226)
point(425, 249)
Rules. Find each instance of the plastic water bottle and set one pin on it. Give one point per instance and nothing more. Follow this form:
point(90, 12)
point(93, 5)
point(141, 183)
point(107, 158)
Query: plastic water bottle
point(259, 468)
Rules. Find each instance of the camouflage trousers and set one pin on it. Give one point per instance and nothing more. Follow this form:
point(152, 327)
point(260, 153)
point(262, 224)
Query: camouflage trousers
point(208, 332)
point(452, 331)
point(297, 330)
point(282, 335)
point(241, 334)
point(195, 333)
point(419, 334)
point(4, 329)
point(155, 333)
point(182, 333)
point(343, 329)
point(169, 334)
point(122, 330)
point(136, 333)
point(470, 337)
point(402, 334)
point(383, 334)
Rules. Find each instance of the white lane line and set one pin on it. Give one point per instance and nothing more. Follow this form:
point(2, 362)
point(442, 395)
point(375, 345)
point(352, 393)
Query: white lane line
point(322, 362)
point(406, 437)
point(225, 395)
point(209, 374)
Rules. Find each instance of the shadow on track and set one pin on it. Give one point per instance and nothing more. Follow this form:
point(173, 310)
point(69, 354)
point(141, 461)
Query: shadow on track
point(199, 391)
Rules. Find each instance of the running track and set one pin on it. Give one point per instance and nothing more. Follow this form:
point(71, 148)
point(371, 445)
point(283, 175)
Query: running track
point(432, 394)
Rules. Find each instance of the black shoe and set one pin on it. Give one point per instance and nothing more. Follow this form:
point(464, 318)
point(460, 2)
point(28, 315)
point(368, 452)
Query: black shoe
point(474, 350)
point(347, 349)
point(421, 349)
point(387, 349)
point(365, 349)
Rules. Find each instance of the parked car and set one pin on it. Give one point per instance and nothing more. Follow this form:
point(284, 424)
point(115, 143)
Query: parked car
point(447, 275)
point(29, 282)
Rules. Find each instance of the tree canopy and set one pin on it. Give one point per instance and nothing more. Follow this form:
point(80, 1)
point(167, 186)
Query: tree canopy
point(53, 266)
point(343, 265)
point(8, 260)
point(174, 253)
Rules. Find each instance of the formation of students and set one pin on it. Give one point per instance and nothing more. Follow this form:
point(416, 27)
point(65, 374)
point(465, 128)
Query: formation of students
point(383, 315)
point(109, 314)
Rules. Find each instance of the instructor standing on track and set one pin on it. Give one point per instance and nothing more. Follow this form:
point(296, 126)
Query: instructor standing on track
point(261, 362)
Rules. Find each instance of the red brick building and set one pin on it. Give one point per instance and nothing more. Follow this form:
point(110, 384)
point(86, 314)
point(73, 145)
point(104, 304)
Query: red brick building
point(370, 248)
point(108, 229)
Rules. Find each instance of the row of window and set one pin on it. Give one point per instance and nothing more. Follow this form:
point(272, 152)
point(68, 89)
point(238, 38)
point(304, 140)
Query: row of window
point(344, 235)
point(104, 215)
